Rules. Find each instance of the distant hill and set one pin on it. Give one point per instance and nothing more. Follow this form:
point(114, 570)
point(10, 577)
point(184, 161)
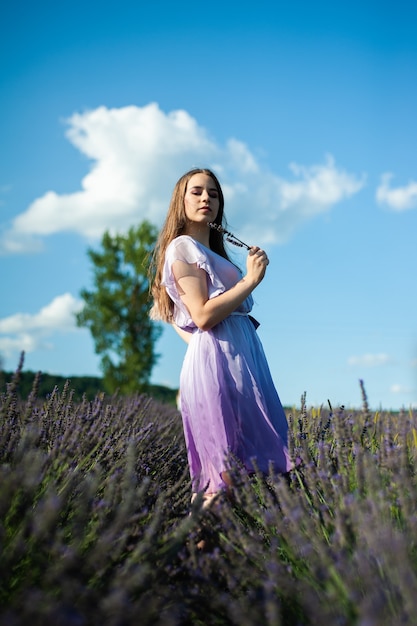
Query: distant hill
point(89, 386)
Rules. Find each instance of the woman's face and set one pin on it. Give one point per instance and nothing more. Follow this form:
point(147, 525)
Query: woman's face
point(201, 200)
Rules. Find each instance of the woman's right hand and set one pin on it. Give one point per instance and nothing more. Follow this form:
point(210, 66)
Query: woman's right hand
point(256, 264)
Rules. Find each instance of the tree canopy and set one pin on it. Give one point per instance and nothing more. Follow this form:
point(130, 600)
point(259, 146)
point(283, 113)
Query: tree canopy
point(116, 310)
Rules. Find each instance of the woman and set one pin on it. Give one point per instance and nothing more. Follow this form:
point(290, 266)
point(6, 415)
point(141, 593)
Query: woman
point(229, 404)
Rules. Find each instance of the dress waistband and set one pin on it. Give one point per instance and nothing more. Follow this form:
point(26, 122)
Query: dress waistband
point(252, 319)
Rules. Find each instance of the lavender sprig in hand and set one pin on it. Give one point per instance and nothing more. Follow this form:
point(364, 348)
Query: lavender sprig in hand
point(230, 237)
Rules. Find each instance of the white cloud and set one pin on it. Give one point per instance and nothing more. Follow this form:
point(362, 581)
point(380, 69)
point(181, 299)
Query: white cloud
point(370, 360)
point(400, 389)
point(397, 198)
point(138, 153)
point(28, 332)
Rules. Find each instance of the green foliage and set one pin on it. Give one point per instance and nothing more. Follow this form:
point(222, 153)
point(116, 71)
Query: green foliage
point(116, 310)
point(88, 386)
point(96, 525)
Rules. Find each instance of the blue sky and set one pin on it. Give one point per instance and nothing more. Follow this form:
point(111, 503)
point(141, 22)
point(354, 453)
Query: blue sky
point(307, 113)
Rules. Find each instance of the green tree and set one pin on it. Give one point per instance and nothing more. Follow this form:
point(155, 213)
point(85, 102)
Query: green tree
point(116, 310)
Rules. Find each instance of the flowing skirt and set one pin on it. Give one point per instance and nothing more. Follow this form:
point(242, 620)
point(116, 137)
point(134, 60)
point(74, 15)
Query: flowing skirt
point(229, 404)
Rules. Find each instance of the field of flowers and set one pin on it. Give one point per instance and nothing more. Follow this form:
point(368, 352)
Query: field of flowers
point(96, 525)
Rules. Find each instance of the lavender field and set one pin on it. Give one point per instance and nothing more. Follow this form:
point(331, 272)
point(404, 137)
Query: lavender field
point(96, 525)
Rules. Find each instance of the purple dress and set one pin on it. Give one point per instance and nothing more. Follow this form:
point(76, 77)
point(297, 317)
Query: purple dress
point(228, 399)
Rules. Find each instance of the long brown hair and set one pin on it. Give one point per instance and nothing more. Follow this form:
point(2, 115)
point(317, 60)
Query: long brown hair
point(174, 226)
